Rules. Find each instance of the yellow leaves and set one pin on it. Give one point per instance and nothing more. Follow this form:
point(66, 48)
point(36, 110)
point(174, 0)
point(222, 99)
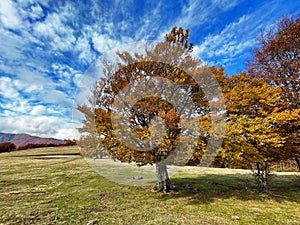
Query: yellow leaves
point(287, 116)
point(247, 97)
point(258, 130)
point(255, 138)
point(255, 110)
point(102, 120)
point(205, 124)
point(142, 133)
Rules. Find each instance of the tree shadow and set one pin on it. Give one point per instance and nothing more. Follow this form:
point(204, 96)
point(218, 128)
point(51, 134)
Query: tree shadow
point(208, 188)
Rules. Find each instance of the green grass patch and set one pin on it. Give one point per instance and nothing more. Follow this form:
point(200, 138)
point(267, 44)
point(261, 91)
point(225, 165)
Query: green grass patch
point(35, 189)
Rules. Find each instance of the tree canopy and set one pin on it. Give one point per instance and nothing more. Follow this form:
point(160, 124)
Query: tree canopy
point(164, 106)
point(148, 107)
point(277, 62)
point(277, 59)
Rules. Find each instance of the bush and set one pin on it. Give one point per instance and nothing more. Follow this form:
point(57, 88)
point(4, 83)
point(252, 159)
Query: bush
point(7, 147)
point(69, 142)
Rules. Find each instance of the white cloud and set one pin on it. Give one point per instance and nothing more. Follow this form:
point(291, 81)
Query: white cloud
point(235, 41)
point(9, 14)
point(33, 76)
point(10, 48)
point(36, 11)
point(150, 23)
point(102, 43)
point(196, 13)
point(27, 87)
point(59, 34)
point(83, 46)
point(225, 4)
point(28, 3)
point(229, 43)
point(64, 71)
point(7, 89)
point(44, 126)
point(56, 97)
point(41, 51)
point(19, 106)
point(31, 10)
point(67, 133)
point(38, 110)
point(19, 116)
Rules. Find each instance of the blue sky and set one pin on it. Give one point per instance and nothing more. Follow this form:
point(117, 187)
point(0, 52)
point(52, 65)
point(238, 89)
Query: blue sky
point(47, 45)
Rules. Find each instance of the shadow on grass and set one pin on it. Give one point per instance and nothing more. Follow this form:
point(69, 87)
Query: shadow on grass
point(207, 188)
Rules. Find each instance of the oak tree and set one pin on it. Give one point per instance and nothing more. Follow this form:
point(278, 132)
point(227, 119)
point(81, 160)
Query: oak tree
point(147, 106)
point(277, 61)
point(255, 116)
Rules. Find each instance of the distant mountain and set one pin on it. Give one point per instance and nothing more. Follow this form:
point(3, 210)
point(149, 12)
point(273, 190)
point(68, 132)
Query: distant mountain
point(25, 139)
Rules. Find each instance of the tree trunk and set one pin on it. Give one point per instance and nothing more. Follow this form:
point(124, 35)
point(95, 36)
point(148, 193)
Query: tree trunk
point(263, 176)
point(164, 183)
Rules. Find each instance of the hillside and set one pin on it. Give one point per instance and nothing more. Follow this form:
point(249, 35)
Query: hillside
point(25, 139)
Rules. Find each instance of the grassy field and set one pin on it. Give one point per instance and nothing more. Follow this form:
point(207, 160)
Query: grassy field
point(36, 188)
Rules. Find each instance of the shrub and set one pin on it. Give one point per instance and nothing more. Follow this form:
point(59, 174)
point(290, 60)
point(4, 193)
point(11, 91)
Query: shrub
point(7, 147)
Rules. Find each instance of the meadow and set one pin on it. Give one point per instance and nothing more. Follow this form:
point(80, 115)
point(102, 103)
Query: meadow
point(38, 186)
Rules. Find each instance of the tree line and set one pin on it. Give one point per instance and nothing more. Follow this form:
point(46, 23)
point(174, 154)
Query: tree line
point(9, 146)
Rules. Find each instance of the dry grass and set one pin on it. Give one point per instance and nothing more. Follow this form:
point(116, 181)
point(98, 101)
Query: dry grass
point(35, 189)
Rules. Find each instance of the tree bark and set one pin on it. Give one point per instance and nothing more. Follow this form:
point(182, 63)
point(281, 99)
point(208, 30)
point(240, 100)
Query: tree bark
point(164, 183)
point(263, 176)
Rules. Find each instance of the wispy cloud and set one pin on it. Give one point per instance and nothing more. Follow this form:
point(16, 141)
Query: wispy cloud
point(197, 13)
point(229, 43)
point(232, 45)
point(47, 46)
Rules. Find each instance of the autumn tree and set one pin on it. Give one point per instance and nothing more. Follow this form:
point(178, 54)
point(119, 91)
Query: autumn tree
point(252, 105)
point(89, 142)
point(277, 61)
point(147, 107)
point(7, 147)
point(255, 116)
